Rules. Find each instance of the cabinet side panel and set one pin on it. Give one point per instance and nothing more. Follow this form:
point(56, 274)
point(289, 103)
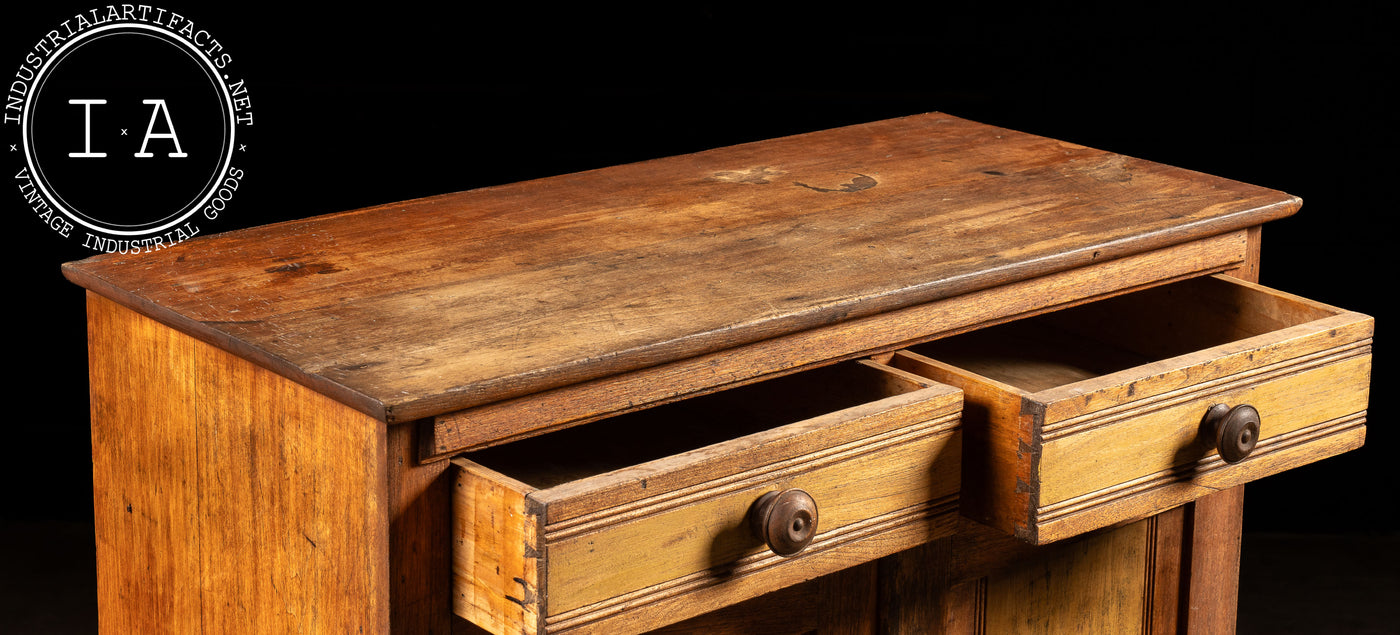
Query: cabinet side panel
point(294, 526)
point(271, 497)
point(144, 473)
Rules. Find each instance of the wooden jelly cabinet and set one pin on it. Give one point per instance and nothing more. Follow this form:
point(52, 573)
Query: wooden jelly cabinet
point(918, 375)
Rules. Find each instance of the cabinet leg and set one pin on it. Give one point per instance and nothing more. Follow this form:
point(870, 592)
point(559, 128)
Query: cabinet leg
point(1212, 562)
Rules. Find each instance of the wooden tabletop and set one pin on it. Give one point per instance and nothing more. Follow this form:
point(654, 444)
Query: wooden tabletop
point(428, 306)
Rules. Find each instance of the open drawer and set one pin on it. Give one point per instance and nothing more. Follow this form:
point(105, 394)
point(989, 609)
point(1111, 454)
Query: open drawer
point(648, 518)
point(1114, 410)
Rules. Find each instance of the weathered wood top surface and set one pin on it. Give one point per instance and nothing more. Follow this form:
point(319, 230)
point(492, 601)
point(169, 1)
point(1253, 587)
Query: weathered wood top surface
point(432, 305)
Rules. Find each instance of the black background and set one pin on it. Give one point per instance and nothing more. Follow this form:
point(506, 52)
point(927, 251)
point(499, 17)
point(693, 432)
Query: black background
point(402, 100)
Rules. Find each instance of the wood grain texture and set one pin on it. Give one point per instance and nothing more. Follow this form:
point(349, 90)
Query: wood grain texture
point(1213, 527)
point(1001, 456)
point(626, 617)
point(973, 616)
point(812, 443)
point(226, 498)
point(849, 600)
point(840, 603)
point(1163, 593)
point(1212, 561)
point(795, 610)
point(420, 538)
point(1098, 585)
point(981, 580)
point(1171, 488)
point(145, 472)
point(910, 584)
point(1162, 434)
point(966, 610)
point(942, 586)
point(875, 492)
point(978, 553)
point(581, 403)
point(1104, 448)
point(623, 268)
point(495, 555)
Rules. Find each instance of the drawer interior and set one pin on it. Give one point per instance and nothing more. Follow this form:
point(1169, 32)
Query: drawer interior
point(693, 423)
point(1081, 343)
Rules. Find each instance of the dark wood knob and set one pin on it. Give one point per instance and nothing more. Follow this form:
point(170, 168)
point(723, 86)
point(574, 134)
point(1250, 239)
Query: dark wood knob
point(786, 521)
point(1235, 430)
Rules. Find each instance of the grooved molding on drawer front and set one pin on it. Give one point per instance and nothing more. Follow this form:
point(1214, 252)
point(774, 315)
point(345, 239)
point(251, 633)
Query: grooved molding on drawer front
point(1107, 400)
point(1198, 473)
point(927, 519)
point(1245, 378)
point(779, 471)
point(617, 539)
point(1316, 443)
point(1170, 435)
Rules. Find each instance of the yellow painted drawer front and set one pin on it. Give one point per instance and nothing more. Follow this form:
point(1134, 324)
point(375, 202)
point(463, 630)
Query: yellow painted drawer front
point(635, 522)
point(1095, 415)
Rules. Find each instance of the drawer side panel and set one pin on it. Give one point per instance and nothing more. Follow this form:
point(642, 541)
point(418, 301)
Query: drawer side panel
point(495, 555)
point(1001, 452)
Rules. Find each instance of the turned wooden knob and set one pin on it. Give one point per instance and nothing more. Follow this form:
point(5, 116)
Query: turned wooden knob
point(786, 521)
point(1235, 430)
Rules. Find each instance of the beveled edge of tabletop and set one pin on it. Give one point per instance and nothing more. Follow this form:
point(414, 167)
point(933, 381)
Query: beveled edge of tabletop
point(89, 274)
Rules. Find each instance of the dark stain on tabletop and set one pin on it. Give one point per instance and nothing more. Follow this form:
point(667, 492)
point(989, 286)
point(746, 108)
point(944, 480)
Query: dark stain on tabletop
point(305, 268)
point(861, 182)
